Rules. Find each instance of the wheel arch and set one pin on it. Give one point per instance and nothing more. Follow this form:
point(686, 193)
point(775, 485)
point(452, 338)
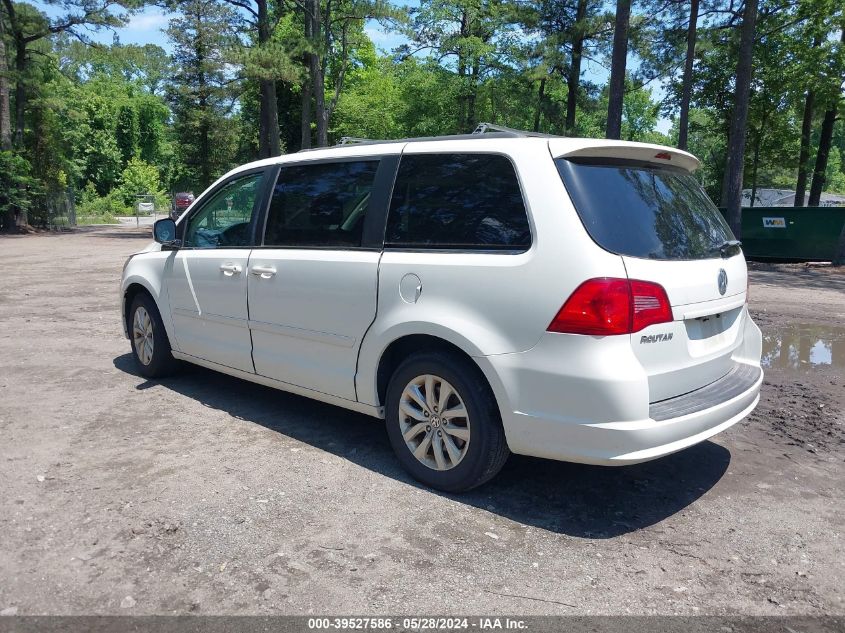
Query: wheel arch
point(129, 294)
point(132, 287)
point(403, 346)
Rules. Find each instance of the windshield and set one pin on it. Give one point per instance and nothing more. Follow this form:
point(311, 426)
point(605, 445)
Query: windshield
point(653, 212)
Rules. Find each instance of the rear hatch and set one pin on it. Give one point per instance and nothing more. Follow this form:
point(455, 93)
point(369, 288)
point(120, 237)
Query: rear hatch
point(642, 203)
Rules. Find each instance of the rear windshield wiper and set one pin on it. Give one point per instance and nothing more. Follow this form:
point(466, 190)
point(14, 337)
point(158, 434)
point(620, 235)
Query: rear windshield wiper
point(728, 248)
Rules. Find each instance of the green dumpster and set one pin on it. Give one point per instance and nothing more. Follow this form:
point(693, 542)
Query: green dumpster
point(791, 233)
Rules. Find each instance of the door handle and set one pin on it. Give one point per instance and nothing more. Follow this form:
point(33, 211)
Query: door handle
point(230, 269)
point(265, 272)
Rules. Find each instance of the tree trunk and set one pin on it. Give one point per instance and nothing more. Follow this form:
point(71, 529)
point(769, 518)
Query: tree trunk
point(573, 78)
point(268, 116)
point(804, 153)
point(463, 119)
point(320, 104)
point(315, 71)
point(758, 140)
point(686, 90)
point(736, 145)
point(268, 142)
point(806, 138)
point(262, 122)
point(307, 86)
point(305, 123)
point(541, 96)
point(825, 140)
point(5, 105)
point(472, 98)
point(204, 115)
point(616, 89)
point(723, 192)
point(20, 92)
point(205, 148)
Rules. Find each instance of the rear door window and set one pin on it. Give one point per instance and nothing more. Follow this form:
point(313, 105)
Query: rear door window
point(638, 210)
point(320, 205)
point(457, 201)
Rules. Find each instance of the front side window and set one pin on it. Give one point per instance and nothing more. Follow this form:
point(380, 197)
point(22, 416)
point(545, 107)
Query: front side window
point(457, 201)
point(224, 220)
point(320, 205)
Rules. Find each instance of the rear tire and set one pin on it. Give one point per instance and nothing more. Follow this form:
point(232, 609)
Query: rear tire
point(150, 345)
point(443, 422)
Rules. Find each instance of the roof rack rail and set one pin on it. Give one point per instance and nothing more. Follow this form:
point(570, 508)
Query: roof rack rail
point(483, 128)
point(490, 130)
point(354, 140)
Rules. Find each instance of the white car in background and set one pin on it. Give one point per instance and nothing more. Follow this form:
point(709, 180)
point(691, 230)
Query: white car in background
point(572, 299)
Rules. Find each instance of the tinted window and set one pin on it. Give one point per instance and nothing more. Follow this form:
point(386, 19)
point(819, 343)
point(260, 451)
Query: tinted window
point(465, 201)
point(642, 211)
point(224, 220)
point(320, 205)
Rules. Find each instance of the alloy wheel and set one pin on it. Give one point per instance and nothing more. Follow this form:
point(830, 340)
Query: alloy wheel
point(434, 422)
point(142, 335)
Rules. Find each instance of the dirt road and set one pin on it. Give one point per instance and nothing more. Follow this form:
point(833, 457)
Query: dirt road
point(205, 494)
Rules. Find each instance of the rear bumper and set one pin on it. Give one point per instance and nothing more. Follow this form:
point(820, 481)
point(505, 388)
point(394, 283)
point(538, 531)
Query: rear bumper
point(620, 443)
point(595, 410)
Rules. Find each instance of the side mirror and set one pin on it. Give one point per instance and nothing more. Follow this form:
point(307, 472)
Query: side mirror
point(164, 232)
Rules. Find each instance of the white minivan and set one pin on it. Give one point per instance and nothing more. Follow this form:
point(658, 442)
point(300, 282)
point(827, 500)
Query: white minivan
point(484, 294)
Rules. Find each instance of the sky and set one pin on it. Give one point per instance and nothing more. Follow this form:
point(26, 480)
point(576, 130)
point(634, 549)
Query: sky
point(147, 27)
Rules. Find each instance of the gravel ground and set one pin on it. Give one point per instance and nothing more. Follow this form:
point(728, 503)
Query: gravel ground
point(205, 494)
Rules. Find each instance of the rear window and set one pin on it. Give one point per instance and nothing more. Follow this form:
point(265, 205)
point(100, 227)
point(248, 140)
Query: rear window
point(457, 201)
point(637, 210)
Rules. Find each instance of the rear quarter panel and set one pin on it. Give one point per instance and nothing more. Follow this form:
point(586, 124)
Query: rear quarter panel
point(488, 303)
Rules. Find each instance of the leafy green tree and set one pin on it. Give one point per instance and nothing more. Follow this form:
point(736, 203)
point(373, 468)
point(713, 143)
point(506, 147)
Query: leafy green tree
point(127, 133)
point(27, 27)
point(148, 67)
point(265, 60)
point(473, 37)
point(333, 31)
point(153, 117)
point(140, 178)
point(5, 100)
point(832, 96)
point(202, 93)
point(15, 184)
point(639, 115)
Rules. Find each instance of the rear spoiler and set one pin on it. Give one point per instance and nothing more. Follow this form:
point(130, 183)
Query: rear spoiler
point(601, 148)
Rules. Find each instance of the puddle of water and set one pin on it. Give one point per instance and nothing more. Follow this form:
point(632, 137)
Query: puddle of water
point(802, 346)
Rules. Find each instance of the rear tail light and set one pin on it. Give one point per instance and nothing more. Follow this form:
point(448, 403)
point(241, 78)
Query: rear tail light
point(607, 305)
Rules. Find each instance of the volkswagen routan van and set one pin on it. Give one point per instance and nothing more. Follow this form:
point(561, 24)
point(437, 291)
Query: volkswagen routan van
point(485, 294)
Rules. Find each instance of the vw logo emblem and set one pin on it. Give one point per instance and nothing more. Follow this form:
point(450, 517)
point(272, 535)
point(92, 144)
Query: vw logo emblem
point(723, 281)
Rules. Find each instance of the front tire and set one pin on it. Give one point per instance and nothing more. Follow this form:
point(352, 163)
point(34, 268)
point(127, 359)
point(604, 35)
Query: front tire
point(150, 345)
point(443, 422)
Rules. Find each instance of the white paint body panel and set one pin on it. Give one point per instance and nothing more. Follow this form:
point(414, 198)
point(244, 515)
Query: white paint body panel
point(708, 326)
point(208, 306)
point(320, 325)
point(308, 319)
